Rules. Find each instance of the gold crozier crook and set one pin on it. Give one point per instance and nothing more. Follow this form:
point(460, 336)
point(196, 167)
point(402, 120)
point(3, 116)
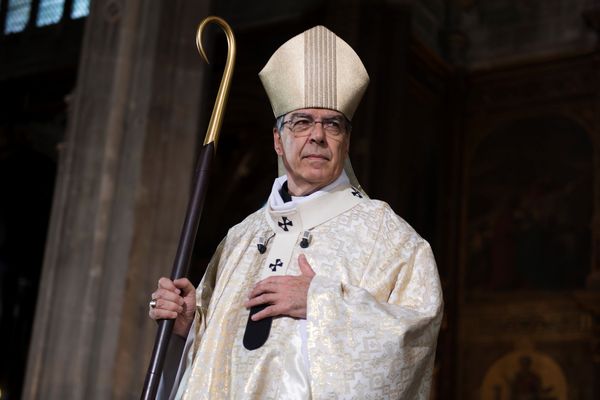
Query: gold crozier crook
point(216, 119)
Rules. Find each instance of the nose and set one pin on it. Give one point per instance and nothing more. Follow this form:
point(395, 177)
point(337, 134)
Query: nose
point(317, 134)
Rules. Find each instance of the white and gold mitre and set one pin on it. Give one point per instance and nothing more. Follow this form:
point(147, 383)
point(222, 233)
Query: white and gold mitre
point(315, 69)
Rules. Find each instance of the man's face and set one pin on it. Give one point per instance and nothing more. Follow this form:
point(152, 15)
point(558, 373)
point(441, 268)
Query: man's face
point(313, 158)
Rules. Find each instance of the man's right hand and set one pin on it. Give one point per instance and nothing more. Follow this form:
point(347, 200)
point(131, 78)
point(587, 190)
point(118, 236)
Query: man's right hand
point(175, 300)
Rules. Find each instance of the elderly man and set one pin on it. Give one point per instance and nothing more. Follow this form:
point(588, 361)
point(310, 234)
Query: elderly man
point(323, 293)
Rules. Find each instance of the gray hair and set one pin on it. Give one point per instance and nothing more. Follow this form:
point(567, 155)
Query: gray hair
point(279, 122)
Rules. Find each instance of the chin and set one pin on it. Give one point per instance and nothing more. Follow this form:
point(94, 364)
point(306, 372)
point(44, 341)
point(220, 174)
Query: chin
point(316, 174)
point(319, 179)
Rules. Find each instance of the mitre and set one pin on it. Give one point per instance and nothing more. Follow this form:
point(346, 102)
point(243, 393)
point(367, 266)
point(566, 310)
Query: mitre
point(315, 69)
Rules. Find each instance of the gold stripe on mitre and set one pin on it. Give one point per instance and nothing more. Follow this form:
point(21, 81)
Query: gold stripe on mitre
point(315, 69)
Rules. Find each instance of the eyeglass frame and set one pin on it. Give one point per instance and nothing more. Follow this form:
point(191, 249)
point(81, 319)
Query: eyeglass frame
point(280, 123)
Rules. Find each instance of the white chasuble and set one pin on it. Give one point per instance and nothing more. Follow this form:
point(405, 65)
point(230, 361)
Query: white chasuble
point(374, 307)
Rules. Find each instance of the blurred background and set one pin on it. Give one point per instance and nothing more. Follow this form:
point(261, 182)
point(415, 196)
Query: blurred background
point(481, 128)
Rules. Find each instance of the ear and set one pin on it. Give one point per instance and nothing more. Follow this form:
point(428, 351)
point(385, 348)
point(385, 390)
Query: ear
point(277, 142)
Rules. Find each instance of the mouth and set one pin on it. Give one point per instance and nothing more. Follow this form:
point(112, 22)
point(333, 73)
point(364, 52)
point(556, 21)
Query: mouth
point(316, 157)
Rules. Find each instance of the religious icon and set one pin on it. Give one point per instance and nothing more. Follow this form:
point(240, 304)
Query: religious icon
point(524, 376)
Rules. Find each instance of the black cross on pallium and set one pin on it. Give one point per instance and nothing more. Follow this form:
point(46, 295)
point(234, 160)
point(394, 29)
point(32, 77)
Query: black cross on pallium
point(278, 263)
point(284, 225)
point(356, 193)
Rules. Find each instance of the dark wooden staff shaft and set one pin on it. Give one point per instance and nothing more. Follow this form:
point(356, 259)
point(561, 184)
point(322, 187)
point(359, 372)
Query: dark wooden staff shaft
point(194, 210)
point(180, 265)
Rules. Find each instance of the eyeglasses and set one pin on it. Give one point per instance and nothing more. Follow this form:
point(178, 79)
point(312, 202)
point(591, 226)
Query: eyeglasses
point(302, 126)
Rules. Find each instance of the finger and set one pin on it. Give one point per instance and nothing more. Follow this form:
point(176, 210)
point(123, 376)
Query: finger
point(271, 311)
point(271, 280)
point(156, 314)
point(162, 304)
point(168, 296)
point(273, 284)
point(185, 285)
point(305, 268)
point(262, 299)
point(166, 283)
point(269, 285)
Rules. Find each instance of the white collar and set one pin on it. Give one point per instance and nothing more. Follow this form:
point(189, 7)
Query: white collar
point(277, 203)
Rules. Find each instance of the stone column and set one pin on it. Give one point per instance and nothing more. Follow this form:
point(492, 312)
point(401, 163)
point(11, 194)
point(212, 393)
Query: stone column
point(122, 186)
